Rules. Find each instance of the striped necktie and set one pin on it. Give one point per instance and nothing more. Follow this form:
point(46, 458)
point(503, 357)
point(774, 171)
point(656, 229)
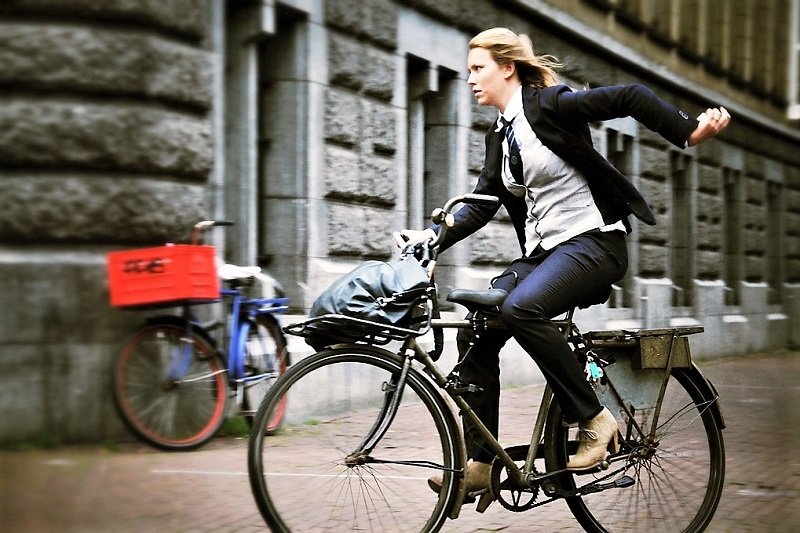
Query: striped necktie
point(515, 158)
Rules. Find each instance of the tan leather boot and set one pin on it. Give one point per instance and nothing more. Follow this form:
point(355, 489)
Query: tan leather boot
point(594, 437)
point(477, 480)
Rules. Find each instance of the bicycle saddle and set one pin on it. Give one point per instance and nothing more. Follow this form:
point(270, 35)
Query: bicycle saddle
point(228, 271)
point(472, 299)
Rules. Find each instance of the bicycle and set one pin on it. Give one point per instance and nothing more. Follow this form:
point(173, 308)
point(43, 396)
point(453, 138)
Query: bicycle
point(368, 425)
point(173, 379)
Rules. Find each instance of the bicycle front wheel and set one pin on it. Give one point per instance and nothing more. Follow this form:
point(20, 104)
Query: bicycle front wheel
point(170, 387)
point(315, 475)
point(677, 479)
point(266, 359)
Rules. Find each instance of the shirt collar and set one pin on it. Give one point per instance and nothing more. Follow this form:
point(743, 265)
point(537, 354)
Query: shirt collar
point(512, 109)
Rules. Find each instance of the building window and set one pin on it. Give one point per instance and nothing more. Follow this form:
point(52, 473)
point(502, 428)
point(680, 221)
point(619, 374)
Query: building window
point(732, 243)
point(432, 106)
point(794, 62)
point(283, 108)
point(620, 152)
point(775, 242)
point(681, 250)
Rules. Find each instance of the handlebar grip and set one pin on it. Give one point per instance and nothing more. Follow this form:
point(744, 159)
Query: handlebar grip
point(208, 223)
point(203, 225)
point(399, 239)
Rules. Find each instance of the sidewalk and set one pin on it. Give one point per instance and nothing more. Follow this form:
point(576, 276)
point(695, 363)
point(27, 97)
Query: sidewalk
point(137, 488)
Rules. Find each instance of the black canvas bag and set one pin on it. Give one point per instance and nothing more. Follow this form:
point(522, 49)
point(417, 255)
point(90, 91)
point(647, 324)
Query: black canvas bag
point(383, 292)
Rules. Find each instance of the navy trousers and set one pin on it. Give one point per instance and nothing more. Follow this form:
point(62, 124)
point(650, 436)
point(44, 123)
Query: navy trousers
point(544, 285)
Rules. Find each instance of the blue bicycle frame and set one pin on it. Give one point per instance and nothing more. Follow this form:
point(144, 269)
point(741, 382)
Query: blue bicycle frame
point(242, 317)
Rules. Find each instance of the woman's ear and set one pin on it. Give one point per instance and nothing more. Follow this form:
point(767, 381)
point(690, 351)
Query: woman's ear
point(509, 69)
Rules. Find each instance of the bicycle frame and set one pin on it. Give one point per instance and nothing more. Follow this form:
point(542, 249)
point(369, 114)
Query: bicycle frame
point(522, 476)
point(241, 316)
point(525, 476)
point(629, 369)
point(393, 395)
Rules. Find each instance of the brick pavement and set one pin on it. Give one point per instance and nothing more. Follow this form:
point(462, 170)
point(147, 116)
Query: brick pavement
point(136, 488)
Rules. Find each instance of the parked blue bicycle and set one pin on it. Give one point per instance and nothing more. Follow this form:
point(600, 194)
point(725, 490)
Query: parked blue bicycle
point(174, 381)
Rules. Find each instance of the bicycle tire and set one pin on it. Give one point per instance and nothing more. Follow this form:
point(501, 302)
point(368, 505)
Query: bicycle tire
point(298, 477)
point(676, 489)
point(171, 414)
point(267, 336)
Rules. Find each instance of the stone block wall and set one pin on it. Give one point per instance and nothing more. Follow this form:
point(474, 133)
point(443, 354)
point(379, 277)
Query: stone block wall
point(104, 135)
point(105, 142)
point(792, 226)
point(360, 128)
point(686, 189)
point(709, 222)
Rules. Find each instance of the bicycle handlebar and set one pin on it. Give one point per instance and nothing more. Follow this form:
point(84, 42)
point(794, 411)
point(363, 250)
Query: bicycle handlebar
point(427, 251)
point(443, 216)
point(203, 225)
point(478, 199)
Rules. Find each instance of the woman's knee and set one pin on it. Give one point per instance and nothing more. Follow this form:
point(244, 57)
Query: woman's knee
point(513, 311)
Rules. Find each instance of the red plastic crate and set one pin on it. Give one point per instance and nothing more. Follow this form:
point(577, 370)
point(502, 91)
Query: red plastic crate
point(162, 275)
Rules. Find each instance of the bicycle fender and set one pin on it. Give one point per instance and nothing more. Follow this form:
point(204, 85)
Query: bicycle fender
point(172, 320)
point(708, 390)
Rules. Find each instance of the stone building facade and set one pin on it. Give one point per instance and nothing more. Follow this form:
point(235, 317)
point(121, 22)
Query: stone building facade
point(321, 126)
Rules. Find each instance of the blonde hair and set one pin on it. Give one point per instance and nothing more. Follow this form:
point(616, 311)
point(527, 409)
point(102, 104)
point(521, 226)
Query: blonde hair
point(507, 47)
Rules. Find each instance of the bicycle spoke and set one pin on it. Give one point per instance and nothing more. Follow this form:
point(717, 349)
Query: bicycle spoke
point(266, 359)
point(311, 459)
point(677, 478)
point(168, 413)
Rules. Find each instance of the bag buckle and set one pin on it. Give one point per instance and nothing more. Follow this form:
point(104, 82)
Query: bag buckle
point(383, 301)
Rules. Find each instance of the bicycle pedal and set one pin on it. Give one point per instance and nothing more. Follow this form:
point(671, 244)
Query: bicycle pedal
point(466, 389)
point(622, 483)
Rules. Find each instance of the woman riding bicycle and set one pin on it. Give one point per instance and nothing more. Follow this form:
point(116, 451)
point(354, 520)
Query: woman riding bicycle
point(569, 209)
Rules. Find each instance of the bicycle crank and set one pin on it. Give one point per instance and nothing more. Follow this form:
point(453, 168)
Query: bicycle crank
point(621, 483)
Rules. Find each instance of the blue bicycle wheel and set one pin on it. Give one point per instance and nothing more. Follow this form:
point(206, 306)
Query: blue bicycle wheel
point(170, 387)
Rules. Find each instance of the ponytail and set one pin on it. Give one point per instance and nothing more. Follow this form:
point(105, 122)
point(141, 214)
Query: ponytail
point(506, 47)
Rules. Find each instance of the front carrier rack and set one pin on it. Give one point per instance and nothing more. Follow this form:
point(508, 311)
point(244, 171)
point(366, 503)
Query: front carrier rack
point(344, 328)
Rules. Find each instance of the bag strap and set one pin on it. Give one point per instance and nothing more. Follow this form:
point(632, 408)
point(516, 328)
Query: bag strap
point(438, 333)
point(402, 297)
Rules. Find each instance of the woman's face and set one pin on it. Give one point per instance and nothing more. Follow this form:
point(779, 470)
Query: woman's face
point(487, 78)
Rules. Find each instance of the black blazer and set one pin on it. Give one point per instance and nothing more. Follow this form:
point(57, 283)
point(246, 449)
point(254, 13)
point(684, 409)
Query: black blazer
point(560, 118)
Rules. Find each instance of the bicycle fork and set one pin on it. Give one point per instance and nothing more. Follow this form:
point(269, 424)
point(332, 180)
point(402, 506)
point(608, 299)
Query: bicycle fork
point(392, 396)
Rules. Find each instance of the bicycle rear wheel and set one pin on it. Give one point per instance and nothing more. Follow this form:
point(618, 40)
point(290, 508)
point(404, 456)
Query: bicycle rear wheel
point(677, 481)
point(170, 388)
point(307, 477)
point(265, 355)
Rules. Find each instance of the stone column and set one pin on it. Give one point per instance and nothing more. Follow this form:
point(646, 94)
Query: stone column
point(792, 292)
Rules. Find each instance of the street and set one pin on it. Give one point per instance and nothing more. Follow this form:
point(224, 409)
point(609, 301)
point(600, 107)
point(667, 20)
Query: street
point(132, 487)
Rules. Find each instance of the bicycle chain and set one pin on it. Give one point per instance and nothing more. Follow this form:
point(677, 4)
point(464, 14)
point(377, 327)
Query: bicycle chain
point(498, 467)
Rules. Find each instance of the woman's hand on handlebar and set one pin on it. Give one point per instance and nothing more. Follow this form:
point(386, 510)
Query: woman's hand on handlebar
point(408, 237)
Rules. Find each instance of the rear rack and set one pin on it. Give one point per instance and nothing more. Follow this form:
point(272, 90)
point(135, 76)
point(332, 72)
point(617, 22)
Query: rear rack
point(651, 348)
